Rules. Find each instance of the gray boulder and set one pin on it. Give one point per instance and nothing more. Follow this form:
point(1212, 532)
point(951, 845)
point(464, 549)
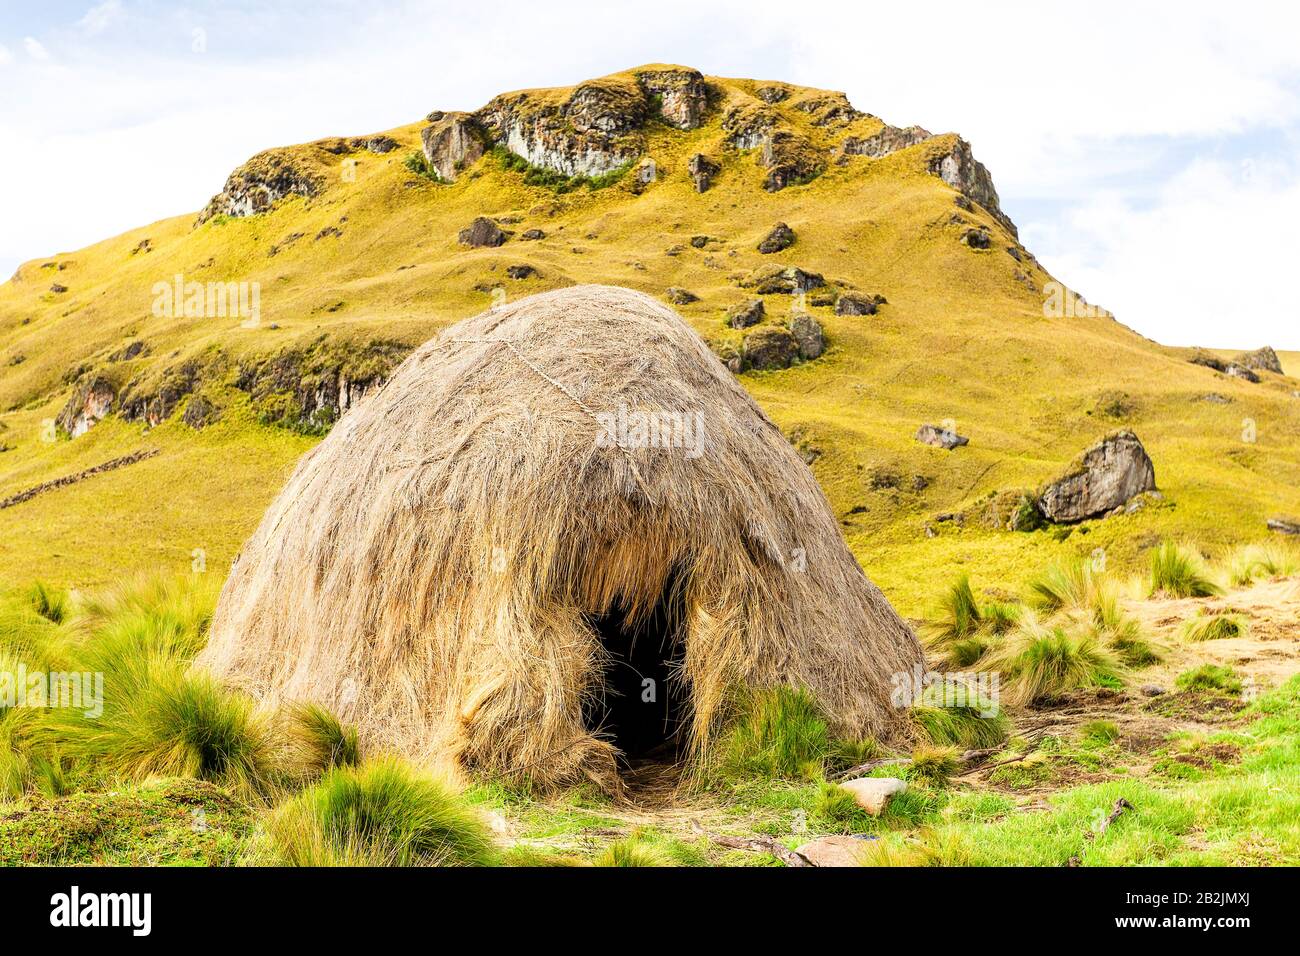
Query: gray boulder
point(746, 314)
point(782, 280)
point(808, 333)
point(1105, 477)
point(858, 303)
point(770, 348)
point(481, 232)
point(1263, 360)
point(781, 237)
point(938, 437)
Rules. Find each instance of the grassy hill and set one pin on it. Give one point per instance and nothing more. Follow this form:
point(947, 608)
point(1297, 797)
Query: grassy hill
point(368, 265)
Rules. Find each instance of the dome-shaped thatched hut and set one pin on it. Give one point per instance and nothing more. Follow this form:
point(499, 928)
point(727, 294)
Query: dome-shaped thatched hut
point(560, 531)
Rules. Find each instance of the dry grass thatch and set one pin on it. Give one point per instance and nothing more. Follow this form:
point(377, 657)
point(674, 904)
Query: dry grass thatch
point(429, 571)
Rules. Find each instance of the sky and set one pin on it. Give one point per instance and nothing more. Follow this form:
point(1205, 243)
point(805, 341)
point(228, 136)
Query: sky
point(1148, 151)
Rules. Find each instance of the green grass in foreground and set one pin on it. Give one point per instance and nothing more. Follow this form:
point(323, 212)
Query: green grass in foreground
point(1247, 813)
point(161, 823)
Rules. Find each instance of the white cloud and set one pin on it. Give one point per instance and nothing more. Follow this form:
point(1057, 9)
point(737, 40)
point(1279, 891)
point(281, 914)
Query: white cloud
point(1208, 262)
point(5, 55)
point(98, 18)
point(35, 49)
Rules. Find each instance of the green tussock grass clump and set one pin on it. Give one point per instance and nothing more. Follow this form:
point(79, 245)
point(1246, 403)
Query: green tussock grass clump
point(383, 813)
point(933, 766)
point(632, 851)
point(158, 718)
point(50, 603)
point(161, 721)
point(166, 613)
point(1210, 677)
point(850, 753)
point(1000, 617)
point(1215, 627)
point(1064, 585)
point(1261, 561)
point(961, 630)
point(957, 616)
point(1177, 572)
point(1121, 633)
point(776, 732)
point(319, 741)
point(973, 727)
point(1043, 662)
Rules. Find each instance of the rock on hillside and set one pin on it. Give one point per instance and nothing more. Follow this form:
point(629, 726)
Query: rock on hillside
point(962, 171)
point(681, 95)
point(262, 181)
point(1264, 360)
point(90, 402)
point(451, 144)
point(944, 438)
point(276, 173)
point(890, 139)
point(595, 128)
point(1104, 477)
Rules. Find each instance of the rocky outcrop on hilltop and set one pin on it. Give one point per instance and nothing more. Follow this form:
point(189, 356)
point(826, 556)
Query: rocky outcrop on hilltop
point(790, 160)
point(960, 169)
point(828, 109)
point(266, 178)
point(680, 95)
point(890, 139)
point(594, 130)
point(591, 130)
point(451, 144)
point(1105, 477)
point(339, 145)
point(1235, 368)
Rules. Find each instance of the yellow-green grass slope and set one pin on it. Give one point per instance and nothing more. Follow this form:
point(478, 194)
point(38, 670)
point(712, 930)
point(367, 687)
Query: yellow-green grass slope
point(963, 337)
